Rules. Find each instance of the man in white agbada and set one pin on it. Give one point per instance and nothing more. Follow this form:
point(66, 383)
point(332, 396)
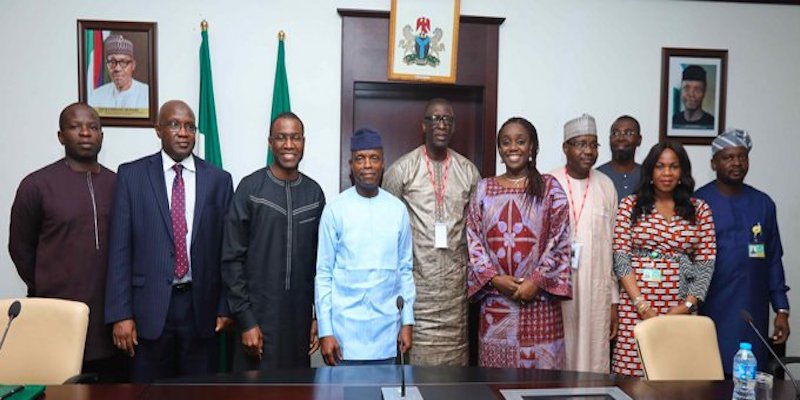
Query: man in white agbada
point(435, 183)
point(123, 91)
point(590, 318)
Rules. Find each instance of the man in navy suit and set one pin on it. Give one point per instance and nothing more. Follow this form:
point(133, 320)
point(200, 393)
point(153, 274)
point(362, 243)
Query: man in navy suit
point(164, 292)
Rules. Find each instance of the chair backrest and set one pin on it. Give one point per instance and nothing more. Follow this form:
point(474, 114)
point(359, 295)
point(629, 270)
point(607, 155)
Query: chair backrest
point(679, 347)
point(45, 342)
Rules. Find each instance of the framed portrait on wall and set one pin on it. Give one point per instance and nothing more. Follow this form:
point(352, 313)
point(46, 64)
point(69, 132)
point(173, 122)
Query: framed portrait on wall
point(423, 40)
point(693, 86)
point(117, 72)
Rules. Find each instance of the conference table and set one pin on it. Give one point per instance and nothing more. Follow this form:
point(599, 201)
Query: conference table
point(365, 383)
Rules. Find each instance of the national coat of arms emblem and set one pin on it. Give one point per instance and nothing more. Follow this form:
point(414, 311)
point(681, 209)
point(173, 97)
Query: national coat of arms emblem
point(421, 46)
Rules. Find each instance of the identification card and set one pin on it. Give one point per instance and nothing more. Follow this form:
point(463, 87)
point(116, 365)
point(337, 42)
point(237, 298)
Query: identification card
point(440, 235)
point(651, 275)
point(756, 250)
point(575, 257)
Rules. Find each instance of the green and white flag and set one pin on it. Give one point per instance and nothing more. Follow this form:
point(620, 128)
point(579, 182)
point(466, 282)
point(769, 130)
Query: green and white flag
point(207, 122)
point(280, 92)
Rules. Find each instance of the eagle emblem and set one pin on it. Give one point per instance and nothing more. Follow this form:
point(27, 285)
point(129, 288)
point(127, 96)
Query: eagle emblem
point(420, 45)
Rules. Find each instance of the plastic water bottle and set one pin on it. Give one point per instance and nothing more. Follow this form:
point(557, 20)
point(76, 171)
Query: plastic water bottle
point(744, 373)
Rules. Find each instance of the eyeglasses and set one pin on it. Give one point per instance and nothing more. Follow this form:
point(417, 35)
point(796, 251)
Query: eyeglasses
point(282, 138)
point(434, 120)
point(627, 133)
point(582, 145)
point(175, 127)
point(121, 63)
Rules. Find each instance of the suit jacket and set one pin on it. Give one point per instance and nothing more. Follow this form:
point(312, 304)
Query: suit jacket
point(141, 262)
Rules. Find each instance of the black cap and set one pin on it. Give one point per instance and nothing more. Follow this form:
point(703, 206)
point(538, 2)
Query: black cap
point(694, 73)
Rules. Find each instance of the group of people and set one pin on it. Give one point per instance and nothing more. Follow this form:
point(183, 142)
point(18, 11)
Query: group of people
point(166, 254)
point(568, 262)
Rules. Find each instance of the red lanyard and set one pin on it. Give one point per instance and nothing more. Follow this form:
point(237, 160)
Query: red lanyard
point(577, 215)
point(439, 193)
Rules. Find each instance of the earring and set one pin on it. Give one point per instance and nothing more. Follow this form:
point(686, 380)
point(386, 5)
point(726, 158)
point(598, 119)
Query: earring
point(651, 181)
point(680, 181)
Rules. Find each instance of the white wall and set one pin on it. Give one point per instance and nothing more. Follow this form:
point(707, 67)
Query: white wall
point(558, 59)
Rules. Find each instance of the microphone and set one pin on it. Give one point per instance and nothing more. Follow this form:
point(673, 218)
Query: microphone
point(400, 303)
point(13, 312)
point(14, 309)
point(392, 393)
point(749, 319)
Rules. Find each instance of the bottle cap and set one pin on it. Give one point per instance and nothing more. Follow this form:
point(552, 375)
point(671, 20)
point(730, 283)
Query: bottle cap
point(745, 346)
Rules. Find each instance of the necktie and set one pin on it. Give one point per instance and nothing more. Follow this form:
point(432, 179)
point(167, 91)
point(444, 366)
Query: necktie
point(179, 227)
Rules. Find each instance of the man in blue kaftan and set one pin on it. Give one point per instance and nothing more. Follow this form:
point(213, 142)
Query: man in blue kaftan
point(749, 272)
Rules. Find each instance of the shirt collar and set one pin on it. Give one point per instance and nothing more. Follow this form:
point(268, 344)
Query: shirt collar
point(168, 163)
point(280, 182)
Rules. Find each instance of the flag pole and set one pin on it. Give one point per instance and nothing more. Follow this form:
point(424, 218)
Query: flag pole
point(280, 91)
point(207, 122)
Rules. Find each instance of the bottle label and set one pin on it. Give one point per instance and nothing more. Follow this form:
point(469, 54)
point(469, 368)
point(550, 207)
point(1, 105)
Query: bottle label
point(744, 371)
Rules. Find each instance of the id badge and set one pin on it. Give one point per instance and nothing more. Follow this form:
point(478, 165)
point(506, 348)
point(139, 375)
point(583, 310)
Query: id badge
point(575, 257)
point(651, 275)
point(756, 250)
point(440, 235)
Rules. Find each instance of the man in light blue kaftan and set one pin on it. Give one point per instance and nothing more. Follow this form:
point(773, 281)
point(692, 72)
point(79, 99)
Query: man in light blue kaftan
point(364, 263)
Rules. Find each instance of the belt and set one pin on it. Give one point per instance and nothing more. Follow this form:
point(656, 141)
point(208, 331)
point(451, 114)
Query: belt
point(182, 287)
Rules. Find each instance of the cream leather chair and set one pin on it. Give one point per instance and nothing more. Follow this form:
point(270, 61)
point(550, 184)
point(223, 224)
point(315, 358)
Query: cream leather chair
point(679, 347)
point(45, 342)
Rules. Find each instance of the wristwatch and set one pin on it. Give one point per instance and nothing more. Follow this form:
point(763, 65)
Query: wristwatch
point(691, 306)
point(783, 311)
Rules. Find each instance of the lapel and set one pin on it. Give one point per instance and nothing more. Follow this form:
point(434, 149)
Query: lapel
point(201, 188)
point(155, 171)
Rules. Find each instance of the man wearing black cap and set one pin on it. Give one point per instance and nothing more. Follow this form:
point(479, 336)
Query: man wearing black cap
point(693, 91)
point(363, 265)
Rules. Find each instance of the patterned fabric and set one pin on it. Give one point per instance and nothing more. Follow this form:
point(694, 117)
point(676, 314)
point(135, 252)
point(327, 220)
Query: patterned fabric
point(509, 236)
point(583, 125)
point(731, 138)
point(684, 253)
point(179, 227)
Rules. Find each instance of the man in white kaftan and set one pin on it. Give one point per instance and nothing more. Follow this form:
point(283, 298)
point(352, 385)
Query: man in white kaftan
point(590, 317)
